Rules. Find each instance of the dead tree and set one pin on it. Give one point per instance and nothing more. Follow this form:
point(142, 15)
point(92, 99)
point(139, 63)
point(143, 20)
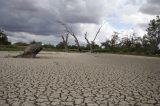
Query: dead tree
point(65, 42)
point(98, 32)
point(77, 42)
point(91, 44)
point(69, 30)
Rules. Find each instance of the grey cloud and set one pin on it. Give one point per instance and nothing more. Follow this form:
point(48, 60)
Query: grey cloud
point(151, 7)
point(40, 16)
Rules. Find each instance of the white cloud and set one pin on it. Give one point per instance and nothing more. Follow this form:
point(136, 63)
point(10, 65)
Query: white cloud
point(28, 37)
point(137, 18)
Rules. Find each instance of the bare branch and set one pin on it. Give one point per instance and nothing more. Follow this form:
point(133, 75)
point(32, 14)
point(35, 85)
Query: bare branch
point(86, 38)
point(67, 28)
point(98, 32)
point(63, 38)
point(89, 44)
point(67, 38)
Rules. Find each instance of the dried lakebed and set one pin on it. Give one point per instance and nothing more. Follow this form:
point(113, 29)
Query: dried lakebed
point(79, 79)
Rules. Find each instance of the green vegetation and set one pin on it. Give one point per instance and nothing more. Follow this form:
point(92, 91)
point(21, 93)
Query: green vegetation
point(3, 38)
point(132, 44)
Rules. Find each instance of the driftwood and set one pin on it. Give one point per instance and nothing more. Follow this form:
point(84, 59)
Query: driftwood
point(30, 51)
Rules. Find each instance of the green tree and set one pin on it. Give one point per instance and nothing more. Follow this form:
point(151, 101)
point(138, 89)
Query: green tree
point(3, 38)
point(153, 35)
point(49, 46)
point(106, 44)
point(35, 42)
point(60, 45)
point(114, 40)
point(20, 44)
point(95, 46)
point(131, 43)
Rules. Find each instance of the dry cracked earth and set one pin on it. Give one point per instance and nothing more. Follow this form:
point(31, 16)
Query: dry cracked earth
point(74, 79)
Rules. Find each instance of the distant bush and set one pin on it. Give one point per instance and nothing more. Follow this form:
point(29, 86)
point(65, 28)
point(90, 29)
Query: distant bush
point(20, 44)
point(11, 48)
point(4, 38)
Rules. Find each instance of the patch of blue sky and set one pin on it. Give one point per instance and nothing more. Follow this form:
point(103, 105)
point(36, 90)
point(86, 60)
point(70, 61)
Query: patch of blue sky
point(121, 25)
point(116, 22)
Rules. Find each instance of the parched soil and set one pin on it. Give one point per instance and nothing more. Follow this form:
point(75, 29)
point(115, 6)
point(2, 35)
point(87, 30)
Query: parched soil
point(79, 79)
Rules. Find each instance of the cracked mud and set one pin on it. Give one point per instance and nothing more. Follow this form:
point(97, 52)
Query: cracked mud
point(73, 79)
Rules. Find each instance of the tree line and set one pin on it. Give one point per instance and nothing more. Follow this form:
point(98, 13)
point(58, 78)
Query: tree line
point(149, 44)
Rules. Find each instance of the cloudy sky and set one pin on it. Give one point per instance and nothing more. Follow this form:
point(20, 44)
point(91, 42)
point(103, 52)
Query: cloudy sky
point(27, 20)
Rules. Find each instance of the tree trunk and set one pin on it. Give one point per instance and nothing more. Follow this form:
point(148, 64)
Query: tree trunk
point(77, 42)
point(90, 45)
point(65, 42)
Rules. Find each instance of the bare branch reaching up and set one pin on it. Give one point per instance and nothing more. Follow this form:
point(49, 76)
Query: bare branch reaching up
point(63, 38)
point(98, 32)
point(67, 28)
point(77, 42)
point(89, 44)
point(67, 37)
point(86, 38)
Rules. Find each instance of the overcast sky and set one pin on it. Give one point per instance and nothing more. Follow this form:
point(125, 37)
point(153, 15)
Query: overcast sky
point(27, 20)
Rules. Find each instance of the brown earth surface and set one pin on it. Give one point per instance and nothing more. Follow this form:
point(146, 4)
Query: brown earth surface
point(79, 79)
